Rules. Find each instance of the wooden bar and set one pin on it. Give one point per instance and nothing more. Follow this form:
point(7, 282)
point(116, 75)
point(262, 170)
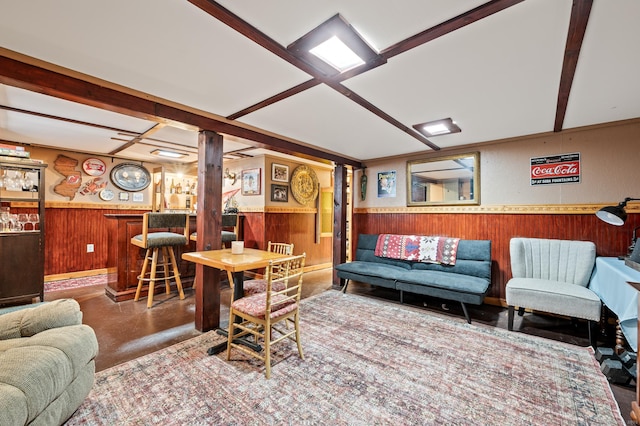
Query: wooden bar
point(127, 258)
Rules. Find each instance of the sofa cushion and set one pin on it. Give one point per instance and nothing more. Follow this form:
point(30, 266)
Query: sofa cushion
point(445, 280)
point(480, 269)
point(373, 269)
point(32, 320)
point(43, 366)
point(556, 297)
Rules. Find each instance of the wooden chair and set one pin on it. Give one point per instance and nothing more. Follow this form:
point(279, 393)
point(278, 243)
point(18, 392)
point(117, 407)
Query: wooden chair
point(262, 315)
point(156, 238)
point(260, 285)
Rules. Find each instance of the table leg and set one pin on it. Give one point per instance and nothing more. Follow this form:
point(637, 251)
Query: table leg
point(238, 292)
point(620, 339)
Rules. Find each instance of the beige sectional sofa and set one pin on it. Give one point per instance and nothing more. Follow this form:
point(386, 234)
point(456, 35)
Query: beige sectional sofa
point(47, 362)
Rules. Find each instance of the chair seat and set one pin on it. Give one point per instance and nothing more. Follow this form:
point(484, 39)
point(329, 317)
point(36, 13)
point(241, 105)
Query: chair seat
point(256, 305)
point(159, 239)
point(555, 297)
point(252, 287)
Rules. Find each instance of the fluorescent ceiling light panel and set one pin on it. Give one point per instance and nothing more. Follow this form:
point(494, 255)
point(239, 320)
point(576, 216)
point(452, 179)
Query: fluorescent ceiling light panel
point(337, 54)
point(335, 49)
point(167, 153)
point(438, 127)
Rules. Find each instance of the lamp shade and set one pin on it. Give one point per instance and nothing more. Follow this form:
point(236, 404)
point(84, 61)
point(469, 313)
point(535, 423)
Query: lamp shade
point(613, 215)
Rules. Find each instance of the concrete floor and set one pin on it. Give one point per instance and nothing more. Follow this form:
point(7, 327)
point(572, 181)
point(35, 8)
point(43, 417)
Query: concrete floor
point(127, 330)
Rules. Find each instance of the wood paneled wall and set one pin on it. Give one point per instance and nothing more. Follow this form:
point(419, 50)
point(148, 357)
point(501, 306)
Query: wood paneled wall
point(296, 228)
point(67, 233)
point(500, 228)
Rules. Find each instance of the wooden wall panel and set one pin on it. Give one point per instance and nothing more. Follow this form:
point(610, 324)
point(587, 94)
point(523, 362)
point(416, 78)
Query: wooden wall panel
point(500, 228)
point(67, 233)
point(253, 230)
point(299, 229)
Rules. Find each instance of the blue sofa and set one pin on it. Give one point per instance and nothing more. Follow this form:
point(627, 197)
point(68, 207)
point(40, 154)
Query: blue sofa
point(466, 282)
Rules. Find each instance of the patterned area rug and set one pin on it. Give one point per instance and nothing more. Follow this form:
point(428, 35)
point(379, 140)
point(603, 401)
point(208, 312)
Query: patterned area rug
point(367, 362)
point(75, 283)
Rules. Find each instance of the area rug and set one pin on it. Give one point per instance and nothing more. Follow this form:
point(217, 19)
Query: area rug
point(72, 283)
point(367, 362)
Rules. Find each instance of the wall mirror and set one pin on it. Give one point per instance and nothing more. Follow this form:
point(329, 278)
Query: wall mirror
point(450, 180)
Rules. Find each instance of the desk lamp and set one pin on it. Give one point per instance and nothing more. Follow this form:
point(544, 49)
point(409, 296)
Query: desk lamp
point(615, 215)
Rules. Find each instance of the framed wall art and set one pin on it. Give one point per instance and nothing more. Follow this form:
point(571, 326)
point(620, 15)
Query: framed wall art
point(130, 177)
point(251, 182)
point(279, 193)
point(279, 172)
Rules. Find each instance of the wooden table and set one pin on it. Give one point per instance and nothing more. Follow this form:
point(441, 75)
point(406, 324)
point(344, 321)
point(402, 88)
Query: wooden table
point(236, 264)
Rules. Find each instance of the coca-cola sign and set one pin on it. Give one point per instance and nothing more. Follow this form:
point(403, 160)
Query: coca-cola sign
point(563, 168)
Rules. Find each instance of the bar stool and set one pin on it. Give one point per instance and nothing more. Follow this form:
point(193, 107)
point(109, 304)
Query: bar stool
point(160, 240)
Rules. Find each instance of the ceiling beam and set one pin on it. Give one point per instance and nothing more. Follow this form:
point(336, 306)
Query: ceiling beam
point(138, 138)
point(227, 17)
point(243, 27)
point(449, 26)
point(37, 76)
point(580, 12)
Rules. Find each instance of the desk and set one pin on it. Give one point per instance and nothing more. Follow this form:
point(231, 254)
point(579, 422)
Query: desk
point(609, 282)
point(236, 264)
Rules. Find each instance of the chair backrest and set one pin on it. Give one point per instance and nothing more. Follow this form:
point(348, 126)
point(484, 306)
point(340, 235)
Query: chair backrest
point(155, 220)
point(288, 270)
point(556, 260)
point(229, 220)
point(280, 248)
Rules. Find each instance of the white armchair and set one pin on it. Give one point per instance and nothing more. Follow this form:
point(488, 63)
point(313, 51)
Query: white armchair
point(553, 276)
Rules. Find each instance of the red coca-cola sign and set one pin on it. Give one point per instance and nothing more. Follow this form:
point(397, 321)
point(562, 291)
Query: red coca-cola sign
point(564, 168)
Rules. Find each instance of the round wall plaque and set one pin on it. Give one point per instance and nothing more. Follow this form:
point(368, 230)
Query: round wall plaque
point(94, 167)
point(304, 185)
point(130, 177)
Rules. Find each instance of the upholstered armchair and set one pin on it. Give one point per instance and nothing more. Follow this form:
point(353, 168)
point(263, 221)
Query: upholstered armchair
point(47, 362)
point(553, 276)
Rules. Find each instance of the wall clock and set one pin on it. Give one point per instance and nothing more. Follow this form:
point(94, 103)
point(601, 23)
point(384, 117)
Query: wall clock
point(130, 177)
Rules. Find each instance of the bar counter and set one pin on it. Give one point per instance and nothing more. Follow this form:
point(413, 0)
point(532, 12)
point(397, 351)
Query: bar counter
point(128, 259)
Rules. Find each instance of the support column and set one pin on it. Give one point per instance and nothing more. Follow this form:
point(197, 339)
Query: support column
point(209, 228)
point(339, 219)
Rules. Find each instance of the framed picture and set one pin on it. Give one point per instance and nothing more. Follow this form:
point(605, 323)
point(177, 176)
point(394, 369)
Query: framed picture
point(138, 197)
point(123, 196)
point(279, 172)
point(130, 177)
point(387, 184)
point(251, 182)
point(279, 193)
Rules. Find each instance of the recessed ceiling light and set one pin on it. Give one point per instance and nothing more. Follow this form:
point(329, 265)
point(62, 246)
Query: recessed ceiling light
point(337, 54)
point(168, 153)
point(335, 36)
point(438, 127)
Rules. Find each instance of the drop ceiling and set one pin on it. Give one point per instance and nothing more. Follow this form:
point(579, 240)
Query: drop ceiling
point(500, 69)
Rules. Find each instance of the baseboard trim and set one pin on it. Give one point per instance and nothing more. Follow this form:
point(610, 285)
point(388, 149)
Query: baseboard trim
point(78, 274)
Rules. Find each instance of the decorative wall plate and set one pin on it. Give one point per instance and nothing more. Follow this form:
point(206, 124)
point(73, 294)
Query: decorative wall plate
point(94, 167)
point(130, 177)
point(106, 194)
point(304, 185)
